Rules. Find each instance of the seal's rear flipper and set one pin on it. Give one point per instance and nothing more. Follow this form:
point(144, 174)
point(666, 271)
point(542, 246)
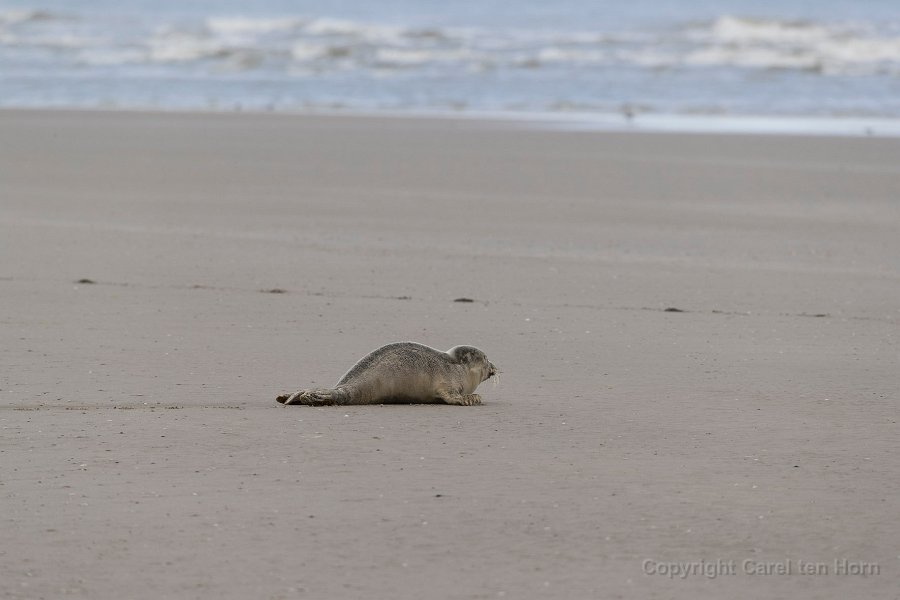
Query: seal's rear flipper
point(316, 397)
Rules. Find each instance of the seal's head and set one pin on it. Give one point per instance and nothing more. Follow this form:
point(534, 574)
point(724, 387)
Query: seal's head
point(480, 368)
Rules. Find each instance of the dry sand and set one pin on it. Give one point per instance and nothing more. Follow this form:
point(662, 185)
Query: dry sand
point(142, 453)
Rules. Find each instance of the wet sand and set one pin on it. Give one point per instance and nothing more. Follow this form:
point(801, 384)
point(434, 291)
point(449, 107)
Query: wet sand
point(142, 454)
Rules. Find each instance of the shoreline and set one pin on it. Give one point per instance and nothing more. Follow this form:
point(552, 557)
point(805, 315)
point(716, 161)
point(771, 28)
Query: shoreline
point(574, 121)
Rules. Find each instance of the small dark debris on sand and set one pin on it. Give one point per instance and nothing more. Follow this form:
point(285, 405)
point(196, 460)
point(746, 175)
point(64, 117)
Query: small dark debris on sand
point(86, 281)
point(673, 309)
point(274, 291)
point(464, 300)
point(404, 297)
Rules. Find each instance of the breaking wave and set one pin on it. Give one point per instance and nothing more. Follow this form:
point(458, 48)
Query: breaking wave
point(829, 49)
point(726, 64)
point(323, 44)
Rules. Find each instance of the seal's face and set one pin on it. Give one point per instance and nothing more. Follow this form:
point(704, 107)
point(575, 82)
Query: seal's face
point(477, 362)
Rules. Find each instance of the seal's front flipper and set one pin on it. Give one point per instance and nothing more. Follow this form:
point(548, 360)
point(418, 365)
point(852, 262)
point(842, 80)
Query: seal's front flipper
point(471, 400)
point(461, 400)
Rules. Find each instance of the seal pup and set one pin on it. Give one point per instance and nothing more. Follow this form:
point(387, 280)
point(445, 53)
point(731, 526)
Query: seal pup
point(406, 373)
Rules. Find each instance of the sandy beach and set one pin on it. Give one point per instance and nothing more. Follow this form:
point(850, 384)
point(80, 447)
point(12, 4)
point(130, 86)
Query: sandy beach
point(699, 339)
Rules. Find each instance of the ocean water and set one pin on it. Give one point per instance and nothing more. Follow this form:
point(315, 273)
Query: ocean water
point(786, 58)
